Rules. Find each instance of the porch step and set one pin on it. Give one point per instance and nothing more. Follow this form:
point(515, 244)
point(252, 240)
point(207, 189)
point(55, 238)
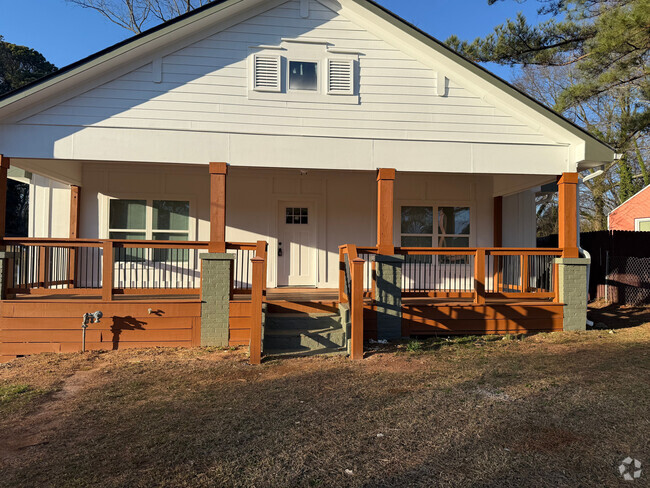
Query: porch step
point(303, 334)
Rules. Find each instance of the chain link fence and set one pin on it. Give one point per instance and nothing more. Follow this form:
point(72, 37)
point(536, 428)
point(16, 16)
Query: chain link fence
point(628, 280)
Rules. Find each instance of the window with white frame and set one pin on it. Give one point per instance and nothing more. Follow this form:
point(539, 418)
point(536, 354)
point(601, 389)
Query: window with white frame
point(642, 225)
point(303, 71)
point(158, 220)
point(303, 75)
point(435, 226)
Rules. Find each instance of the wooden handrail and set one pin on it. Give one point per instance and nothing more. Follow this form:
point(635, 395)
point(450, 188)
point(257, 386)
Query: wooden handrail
point(356, 309)
point(355, 299)
point(258, 291)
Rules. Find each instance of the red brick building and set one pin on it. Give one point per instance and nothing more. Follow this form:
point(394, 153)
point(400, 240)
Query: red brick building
point(634, 214)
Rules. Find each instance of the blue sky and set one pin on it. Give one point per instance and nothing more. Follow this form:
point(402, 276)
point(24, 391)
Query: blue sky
point(65, 33)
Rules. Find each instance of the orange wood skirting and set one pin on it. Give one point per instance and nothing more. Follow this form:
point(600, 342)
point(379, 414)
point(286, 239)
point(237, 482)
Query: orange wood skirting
point(35, 326)
point(240, 323)
point(482, 319)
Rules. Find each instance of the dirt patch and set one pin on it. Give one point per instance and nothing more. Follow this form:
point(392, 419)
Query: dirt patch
point(38, 428)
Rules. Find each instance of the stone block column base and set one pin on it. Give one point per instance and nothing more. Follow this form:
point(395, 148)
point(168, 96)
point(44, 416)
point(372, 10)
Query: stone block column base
point(215, 298)
point(572, 279)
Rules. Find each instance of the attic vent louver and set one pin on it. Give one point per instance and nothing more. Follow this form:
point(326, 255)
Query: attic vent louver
point(266, 75)
point(340, 80)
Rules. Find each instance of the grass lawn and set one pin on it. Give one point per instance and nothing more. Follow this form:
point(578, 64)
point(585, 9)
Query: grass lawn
point(560, 409)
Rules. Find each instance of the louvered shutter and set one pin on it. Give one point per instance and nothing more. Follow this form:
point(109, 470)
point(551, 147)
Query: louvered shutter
point(340, 77)
point(266, 73)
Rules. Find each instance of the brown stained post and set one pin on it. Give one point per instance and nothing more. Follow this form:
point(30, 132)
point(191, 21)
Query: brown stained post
point(5, 162)
point(107, 273)
point(218, 172)
point(385, 191)
point(257, 296)
point(479, 277)
point(356, 309)
point(261, 252)
point(568, 214)
point(75, 207)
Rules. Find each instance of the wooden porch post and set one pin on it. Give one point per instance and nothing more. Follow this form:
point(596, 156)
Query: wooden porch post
point(385, 185)
point(4, 166)
point(568, 214)
point(218, 172)
point(498, 222)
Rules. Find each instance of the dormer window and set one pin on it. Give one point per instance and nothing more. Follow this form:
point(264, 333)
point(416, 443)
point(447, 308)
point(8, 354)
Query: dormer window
point(303, 75)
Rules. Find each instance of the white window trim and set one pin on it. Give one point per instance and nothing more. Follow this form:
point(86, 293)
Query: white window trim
point(638, 221)
point(149, 231)
point(436, 205)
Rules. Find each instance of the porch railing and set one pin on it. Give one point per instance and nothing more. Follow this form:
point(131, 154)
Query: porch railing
point(476, 274)
point(109, 267)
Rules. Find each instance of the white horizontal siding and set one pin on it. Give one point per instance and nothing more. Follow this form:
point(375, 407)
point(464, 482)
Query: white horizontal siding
point(205, 88)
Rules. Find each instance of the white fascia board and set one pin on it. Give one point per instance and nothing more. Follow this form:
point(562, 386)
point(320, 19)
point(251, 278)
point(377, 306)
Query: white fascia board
point(130, 56)
point(498, 93)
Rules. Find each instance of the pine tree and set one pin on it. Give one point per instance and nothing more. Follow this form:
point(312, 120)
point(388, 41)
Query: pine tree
point(606, 46)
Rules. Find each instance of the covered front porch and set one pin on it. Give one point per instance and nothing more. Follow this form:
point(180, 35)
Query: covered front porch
point(282, 237)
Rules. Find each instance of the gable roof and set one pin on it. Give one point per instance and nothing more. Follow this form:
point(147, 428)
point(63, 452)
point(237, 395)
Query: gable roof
point(602, 150)
point(629, 199)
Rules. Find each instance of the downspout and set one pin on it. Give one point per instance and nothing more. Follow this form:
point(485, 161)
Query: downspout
point(584, 253)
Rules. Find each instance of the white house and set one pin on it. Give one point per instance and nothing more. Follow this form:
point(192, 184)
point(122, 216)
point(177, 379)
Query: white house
point(304, 100)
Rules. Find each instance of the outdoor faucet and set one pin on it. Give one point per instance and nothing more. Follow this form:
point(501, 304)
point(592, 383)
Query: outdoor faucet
point(88, 318)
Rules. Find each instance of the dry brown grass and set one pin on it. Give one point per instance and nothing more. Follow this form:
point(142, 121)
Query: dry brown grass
point(549, 410)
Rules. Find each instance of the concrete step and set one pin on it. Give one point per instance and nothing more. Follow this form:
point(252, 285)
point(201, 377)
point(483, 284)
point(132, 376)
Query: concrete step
point(300, 340)
point(291, 321)
point(271, 354)
point(304, 306)
point(299, 333)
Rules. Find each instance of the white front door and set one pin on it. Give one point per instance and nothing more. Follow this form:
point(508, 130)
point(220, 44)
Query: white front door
point(297, 253)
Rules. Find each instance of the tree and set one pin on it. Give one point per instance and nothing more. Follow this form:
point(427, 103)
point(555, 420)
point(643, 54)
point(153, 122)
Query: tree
point(591, 63)
point(137, 15)
point(20, 65)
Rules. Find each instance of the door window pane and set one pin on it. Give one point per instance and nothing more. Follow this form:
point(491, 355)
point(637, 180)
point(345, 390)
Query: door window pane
point(453, 220)
point(417, 220)
point(297, 216)
point(303, 76)
point(127, 214)
point(171, 215)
